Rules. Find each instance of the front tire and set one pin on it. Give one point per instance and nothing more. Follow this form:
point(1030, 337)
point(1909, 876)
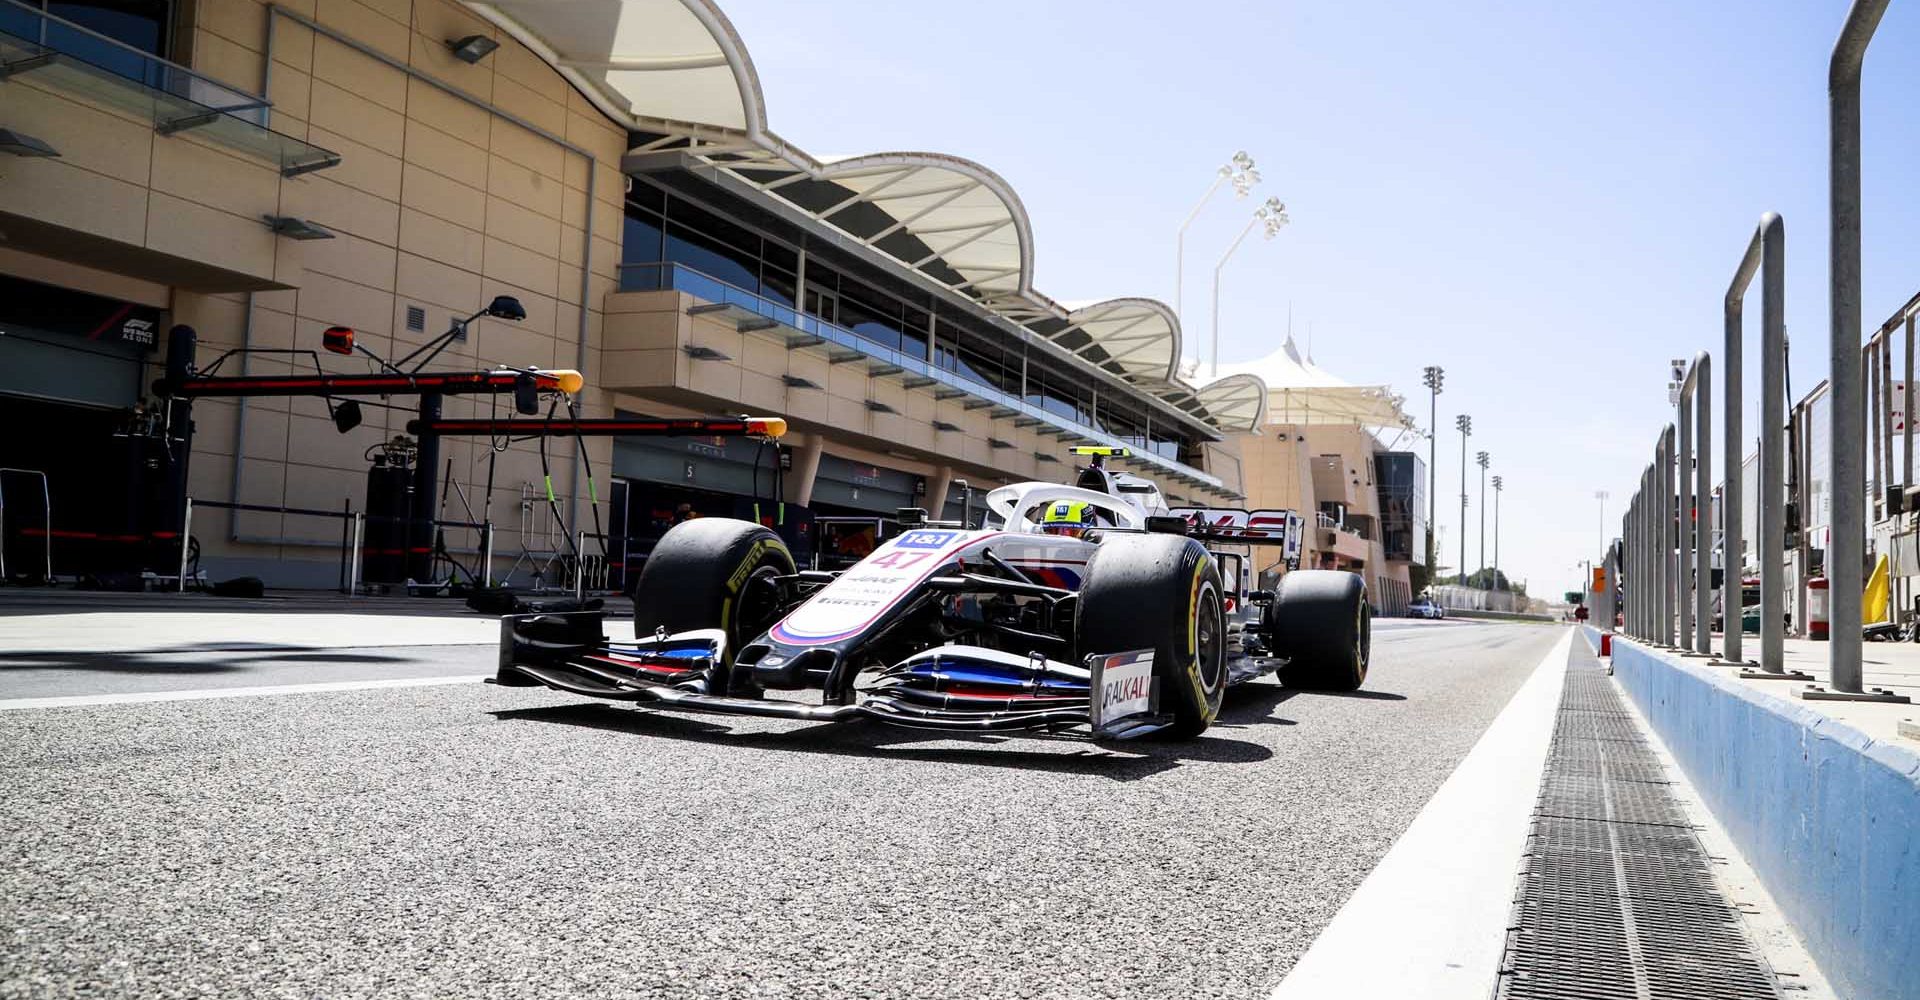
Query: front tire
point(1322, 623)
point(712, 572)
point(1160, 592)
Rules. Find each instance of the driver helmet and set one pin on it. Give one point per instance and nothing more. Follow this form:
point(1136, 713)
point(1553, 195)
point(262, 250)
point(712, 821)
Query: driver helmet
point(1068, 517)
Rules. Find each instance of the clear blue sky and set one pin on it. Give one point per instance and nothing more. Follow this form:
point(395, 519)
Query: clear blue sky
point(1546, 198)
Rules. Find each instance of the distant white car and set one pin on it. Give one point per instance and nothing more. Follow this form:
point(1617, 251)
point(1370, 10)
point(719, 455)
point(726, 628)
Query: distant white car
point(1425, 608)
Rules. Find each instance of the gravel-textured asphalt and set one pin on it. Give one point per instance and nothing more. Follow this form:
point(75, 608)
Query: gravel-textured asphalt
point(486, 842)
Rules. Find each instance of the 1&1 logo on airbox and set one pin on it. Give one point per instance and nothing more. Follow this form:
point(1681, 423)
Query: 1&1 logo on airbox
point(925, 539)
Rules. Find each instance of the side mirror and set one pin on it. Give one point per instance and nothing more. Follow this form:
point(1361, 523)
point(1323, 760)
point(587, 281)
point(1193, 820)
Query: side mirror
point(346, 415)
point(338, 339)
point(526, 395)
point(506, 307)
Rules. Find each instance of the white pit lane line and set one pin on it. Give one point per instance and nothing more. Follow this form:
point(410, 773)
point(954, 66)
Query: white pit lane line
point(1430, 920)
point(144, 697)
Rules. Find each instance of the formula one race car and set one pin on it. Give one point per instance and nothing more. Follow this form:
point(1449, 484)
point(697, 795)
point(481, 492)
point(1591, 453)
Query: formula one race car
point(1125, 618)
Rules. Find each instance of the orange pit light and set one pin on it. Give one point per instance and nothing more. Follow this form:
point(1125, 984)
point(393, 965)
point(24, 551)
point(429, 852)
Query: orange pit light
point(770, 427)
point(566, 380)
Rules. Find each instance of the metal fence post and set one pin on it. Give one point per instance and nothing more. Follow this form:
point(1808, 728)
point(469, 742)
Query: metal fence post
point(1683, 521)
point(1639, 574)
point(1773, 468)
point(1669, 539)
point(1642, 568)
point(1703, 491)
point(1645, 526)
point(580, 566)
point(353, 569)
point(1766, 246)
point(1656, 565)
point(1630, 563)
point(486, 558)
point(1694, 461)
point(1847, 550)
point(186, 542)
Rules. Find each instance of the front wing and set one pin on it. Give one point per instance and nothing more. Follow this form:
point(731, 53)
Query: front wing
point(952, 687)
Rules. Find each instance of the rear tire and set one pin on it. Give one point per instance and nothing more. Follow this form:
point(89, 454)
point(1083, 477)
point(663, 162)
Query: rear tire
point(712, 572)
point(1160, 592)
point(1322, 623)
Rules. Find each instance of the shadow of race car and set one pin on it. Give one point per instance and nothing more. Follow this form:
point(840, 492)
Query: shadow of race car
point(1134, 622)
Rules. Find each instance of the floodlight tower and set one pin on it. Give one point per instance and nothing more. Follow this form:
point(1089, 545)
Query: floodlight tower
point(1465, 425)
point(1431, 377)
point(1273, 216)
point(1239, 171)
point(1498, 486)
point(1480, 459)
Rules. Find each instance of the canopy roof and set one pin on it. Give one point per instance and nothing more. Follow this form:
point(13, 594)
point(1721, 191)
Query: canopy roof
point(677, 70)
point(1301, 392)
point(1288, 367)
point(951, 219)
point(1135, 338)
point(646, 63)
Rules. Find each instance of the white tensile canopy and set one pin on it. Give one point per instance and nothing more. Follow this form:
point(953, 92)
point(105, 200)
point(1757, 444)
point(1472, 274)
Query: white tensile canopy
point(1301, 392)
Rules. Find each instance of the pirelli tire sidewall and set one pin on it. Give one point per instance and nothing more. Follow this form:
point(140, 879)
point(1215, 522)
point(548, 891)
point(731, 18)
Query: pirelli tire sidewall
point(698, 574)
point(1153, 591)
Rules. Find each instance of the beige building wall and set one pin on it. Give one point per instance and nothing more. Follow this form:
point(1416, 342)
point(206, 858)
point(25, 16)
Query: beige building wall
point(437, 204)
point(1298, 467)
point(646, 357)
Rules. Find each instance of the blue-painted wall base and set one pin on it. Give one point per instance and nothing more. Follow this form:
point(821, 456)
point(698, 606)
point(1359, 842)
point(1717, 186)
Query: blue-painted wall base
point(1828, 818)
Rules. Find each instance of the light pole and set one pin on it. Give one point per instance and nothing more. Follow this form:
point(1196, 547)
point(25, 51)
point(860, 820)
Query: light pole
point(1431, 377)
point(1465, 424)
point(1274, 215)
point(1601, 495)
point(1239, 169)
point(1481, 460)
point(1498, 485)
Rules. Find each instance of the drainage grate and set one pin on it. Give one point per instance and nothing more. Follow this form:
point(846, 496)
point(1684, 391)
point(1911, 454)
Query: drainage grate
point(1617, 897)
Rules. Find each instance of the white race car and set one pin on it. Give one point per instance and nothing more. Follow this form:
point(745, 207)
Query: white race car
point(1135, 621)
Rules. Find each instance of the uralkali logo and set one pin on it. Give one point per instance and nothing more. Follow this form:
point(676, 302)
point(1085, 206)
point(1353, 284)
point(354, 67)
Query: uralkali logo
point(1124, 686)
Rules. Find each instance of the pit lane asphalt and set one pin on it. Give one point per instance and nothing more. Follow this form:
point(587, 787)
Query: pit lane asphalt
point(476, 841)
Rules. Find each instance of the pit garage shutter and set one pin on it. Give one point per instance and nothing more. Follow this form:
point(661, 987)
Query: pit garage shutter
point(859, 485)
point(72, 347)
point(723, 465)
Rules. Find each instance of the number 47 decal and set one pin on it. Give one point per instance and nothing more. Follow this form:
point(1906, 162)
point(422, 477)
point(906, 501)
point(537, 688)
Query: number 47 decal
point(898, 559)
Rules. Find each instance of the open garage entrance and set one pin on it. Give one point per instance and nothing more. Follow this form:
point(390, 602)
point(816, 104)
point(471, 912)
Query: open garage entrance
point(82, 465)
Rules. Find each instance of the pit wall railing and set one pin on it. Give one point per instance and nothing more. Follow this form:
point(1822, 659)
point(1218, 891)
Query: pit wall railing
point(1655, 591)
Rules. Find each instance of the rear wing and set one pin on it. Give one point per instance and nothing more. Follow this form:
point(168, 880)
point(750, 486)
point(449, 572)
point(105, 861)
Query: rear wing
point(1259, 527)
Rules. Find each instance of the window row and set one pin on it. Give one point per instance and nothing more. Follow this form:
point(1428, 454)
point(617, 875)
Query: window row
point(663, 227)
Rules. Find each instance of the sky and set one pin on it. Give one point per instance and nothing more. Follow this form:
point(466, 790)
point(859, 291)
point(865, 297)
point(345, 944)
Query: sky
point(1547, 199)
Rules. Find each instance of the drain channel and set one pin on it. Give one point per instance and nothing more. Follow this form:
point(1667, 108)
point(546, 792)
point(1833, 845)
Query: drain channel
point(1617, 896)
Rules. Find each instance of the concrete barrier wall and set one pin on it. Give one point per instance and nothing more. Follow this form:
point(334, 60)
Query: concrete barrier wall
point(1827, 817)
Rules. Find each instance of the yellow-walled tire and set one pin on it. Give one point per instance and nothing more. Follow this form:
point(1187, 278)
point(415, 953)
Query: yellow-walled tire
point(1160, 592)
point(712, 572)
